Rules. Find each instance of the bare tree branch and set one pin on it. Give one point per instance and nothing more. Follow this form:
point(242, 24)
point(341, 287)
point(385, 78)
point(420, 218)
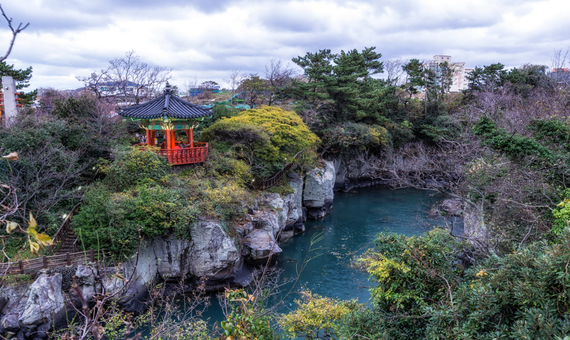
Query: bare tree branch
point(15, 32)
point(127, 80)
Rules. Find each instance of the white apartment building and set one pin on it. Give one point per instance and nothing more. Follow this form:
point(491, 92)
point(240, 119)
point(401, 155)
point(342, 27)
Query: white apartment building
point(460, 73)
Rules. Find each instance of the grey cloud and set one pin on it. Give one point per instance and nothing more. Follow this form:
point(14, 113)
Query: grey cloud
point(411, 28)
point(290, 22)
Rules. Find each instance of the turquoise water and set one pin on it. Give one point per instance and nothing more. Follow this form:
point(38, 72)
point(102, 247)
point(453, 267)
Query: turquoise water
point(347, 232)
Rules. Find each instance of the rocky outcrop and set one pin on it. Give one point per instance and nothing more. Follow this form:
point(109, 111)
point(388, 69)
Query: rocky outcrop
point(173, 257)
point(45, 304)
point(14, 299)
point(214, 252)
point(318, 192)
point(452, 207)
point(293, 207)
point(259, 246)
point(263, 227)
point(449, 207)
point(87, 283)
point(210, 254)
point(270, 214)
point(356, 172)
point(474, 228)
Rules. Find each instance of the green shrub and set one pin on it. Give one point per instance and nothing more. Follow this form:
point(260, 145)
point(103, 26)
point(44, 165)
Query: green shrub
point(442, 128)
point(224, 166)
point(401, 261)
point(315, 317)
point(248, 318)
point(522, 295)
point(561, 214)
point(513, 145)
point(401, 133)
point(424, 293)
point(132, 166)
point(224, 199)
point(112, 220)
point(266, 138)
point(350, 137)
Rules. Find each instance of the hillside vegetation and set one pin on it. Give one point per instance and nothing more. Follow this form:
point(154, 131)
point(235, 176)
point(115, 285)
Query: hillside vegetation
point(502, 147)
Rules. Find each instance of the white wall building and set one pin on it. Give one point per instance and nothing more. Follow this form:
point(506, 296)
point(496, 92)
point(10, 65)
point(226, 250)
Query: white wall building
point(10, 105)
point(460, 73)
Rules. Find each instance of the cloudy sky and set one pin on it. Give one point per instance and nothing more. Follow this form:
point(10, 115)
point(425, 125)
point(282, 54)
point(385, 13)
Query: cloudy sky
point(207, 39)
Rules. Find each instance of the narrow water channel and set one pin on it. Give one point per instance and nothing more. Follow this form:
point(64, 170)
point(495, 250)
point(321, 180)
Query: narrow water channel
point(346, 233)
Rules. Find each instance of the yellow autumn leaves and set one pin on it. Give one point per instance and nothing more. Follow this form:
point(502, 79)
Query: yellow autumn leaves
point(35, 239)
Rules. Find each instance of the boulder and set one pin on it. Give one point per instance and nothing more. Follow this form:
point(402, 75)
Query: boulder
point(273, 203)
point(293, 203)
point(173, 257)
point(14, 298)
point(452, 207)
point(318, 192)
point(265, 220)
point(10, 322)
point(85, 278)
point(214, 253)
point(319, 185)
point(45, 304)
point(259, 246)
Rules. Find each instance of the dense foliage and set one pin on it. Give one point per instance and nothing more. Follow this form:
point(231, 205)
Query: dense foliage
point(57, 154)
point(424, 292)
point(266, 139)
point(347, 138)
point(139, 197)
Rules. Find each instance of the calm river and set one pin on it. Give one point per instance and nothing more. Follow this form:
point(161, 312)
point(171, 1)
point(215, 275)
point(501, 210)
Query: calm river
point(347, 232)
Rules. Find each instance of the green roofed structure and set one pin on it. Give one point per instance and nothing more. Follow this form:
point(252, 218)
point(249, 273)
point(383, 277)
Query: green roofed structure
point(170, 113)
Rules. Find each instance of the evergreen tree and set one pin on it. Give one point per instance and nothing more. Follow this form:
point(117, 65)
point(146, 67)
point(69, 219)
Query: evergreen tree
point(345, 81)
point(22, 79)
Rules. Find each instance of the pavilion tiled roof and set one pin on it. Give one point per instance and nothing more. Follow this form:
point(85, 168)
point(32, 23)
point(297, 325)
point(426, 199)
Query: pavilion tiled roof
point(167, 105)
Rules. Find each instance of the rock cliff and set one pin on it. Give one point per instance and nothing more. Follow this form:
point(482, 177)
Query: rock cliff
point(215, 252)
point(318, 193)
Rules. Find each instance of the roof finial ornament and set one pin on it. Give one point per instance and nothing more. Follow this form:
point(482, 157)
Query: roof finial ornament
point(168, 89)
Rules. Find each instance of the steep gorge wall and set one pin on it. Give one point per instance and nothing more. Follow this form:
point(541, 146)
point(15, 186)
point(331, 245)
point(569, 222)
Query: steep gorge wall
point(218, 253)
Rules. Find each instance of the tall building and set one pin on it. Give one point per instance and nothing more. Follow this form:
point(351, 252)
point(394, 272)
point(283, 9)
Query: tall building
point(459, 80)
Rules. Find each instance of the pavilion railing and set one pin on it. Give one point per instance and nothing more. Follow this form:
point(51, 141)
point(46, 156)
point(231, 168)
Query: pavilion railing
point(187, 155)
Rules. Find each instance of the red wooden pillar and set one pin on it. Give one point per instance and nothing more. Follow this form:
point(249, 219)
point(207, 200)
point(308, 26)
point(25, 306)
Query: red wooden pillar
point(149, 137)
point(169, 141)
point(190, 135)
